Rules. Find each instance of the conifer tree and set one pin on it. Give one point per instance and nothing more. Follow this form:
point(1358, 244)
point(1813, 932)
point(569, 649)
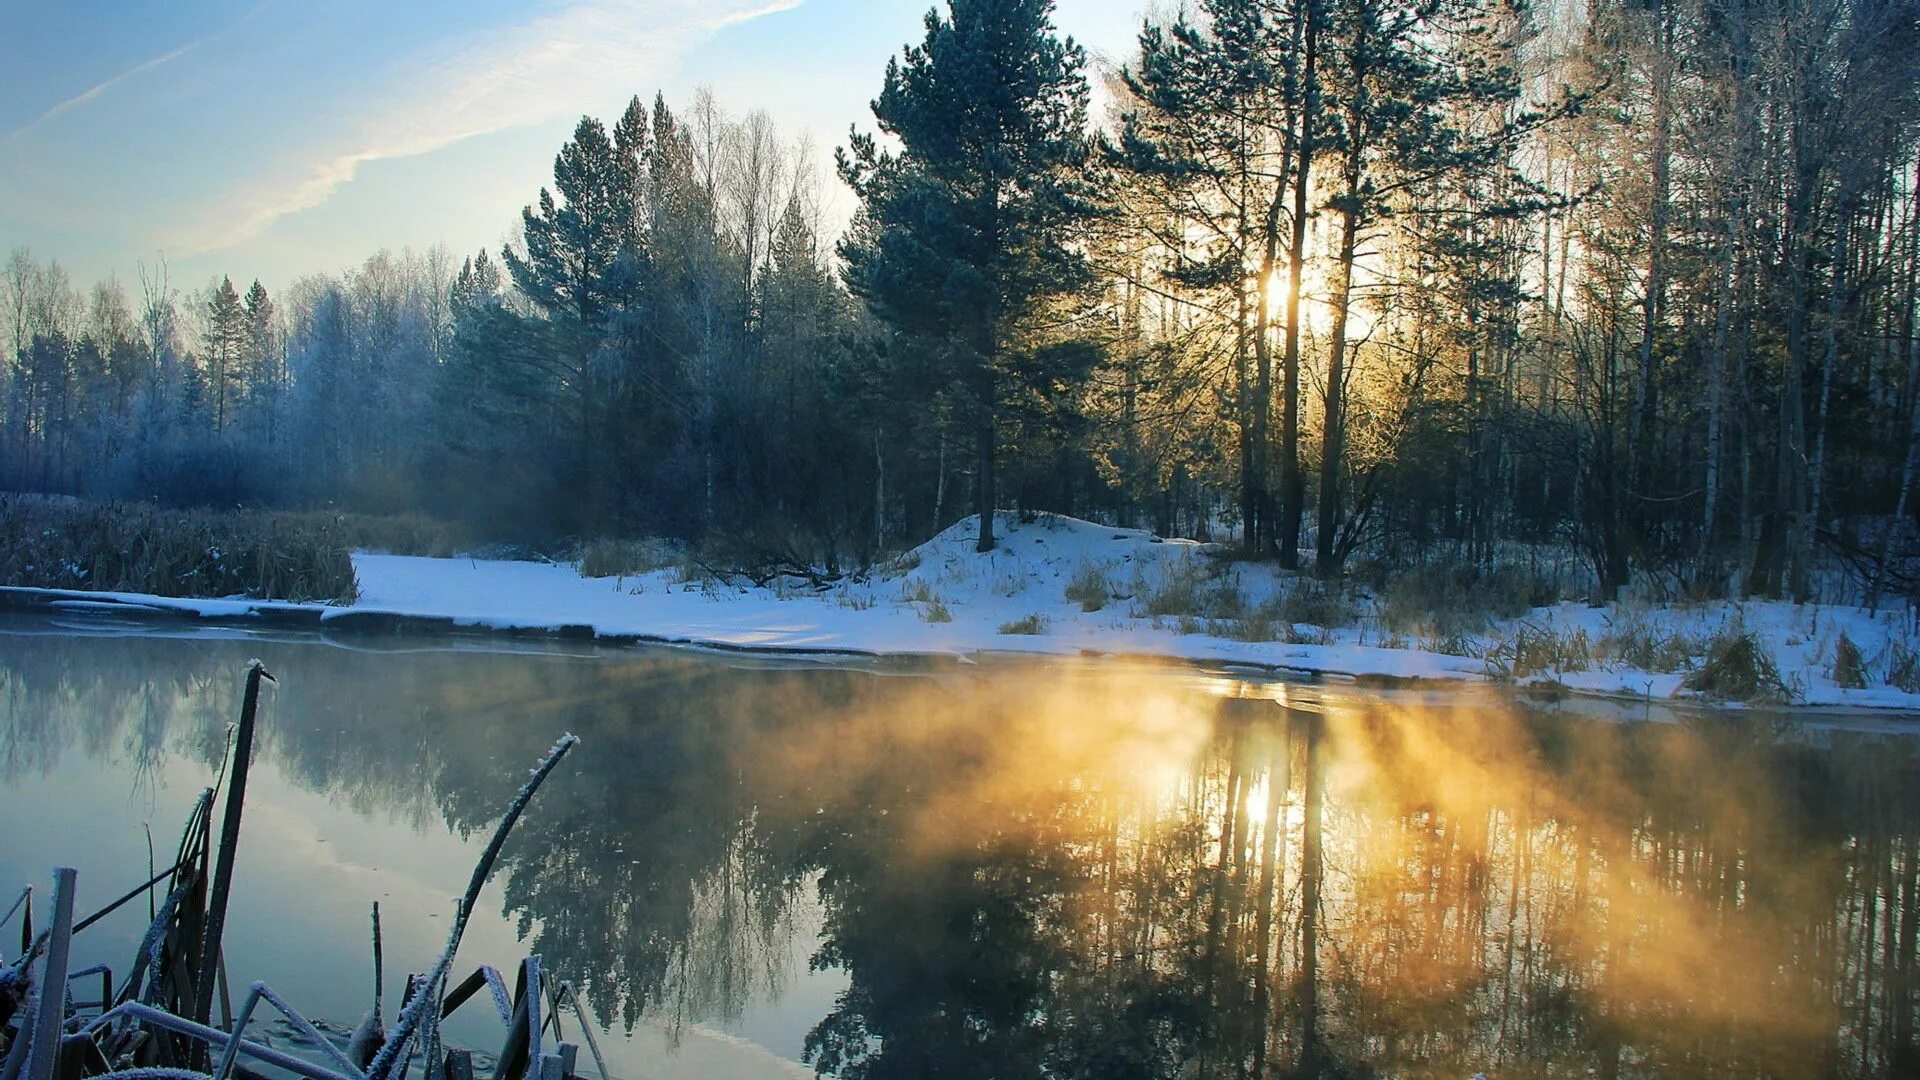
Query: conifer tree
point(963, 241)
point(573, 247)
point(226, 345)
point(262, 375)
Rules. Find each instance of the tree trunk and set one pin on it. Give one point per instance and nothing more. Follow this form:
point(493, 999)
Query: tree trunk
point(983, 480)
point(940, 485)
point(1830, 356)
point(879, 495)
point(1333, 434)
point(1293, 486)
point(1646, 391)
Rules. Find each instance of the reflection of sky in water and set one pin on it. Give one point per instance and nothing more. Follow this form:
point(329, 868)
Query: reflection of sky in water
point(1082, 868)
point(309, 869)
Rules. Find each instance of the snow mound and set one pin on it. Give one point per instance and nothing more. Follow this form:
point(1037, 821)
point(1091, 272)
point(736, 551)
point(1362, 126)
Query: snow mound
point(1036, 556)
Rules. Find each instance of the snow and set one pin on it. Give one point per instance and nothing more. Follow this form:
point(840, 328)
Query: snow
point(1028, 577)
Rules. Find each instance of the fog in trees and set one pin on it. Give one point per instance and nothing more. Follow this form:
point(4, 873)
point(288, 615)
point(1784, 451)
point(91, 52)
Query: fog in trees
point(1347, 281)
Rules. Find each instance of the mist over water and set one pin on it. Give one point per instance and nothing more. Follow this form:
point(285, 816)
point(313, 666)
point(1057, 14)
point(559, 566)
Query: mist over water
point(1025, 870)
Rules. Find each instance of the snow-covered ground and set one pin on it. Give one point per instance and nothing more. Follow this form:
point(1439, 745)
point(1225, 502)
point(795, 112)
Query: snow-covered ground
point(1063, 586)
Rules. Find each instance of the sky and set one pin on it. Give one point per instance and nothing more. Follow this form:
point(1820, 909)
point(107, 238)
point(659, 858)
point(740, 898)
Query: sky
point(274, 138)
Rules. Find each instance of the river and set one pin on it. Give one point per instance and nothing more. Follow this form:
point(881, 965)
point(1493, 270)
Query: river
point(755, 867)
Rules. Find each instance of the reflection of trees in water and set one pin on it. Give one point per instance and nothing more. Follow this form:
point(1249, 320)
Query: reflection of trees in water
point(1090, 875)
point(642, 877)
point(1534, 896)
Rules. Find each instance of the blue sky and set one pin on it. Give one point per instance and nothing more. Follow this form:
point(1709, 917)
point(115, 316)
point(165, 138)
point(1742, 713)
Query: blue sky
point(273, 138)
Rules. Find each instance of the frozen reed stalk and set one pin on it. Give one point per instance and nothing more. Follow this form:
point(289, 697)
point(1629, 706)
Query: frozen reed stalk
point(408, 1023)
point(229, 845)
point(44, 1052)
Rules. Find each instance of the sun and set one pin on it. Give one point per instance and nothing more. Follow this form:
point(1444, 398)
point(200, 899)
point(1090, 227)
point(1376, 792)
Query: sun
point(1316, 304)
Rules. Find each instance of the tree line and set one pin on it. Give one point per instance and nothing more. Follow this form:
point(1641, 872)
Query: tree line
point(1340, 279)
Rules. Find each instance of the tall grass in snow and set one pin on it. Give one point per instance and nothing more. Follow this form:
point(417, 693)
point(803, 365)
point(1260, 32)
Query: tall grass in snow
point(139, 549)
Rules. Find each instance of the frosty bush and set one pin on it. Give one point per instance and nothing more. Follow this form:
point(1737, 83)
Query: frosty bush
point(1035, 623)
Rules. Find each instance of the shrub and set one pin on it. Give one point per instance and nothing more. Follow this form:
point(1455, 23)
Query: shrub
point(392, 534)
point(1316, 603)
point(1457, 602)
point(137, 548)
point(692, 571)
point(1035, 623)
point(1849, 667)
point(1431, 602)
point(1223, 599)
point(1089, 587)
point(1737, 668)
point(936, 610)
point(624, 558)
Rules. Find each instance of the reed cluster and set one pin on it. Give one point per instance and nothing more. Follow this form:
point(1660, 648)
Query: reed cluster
point(121, 547)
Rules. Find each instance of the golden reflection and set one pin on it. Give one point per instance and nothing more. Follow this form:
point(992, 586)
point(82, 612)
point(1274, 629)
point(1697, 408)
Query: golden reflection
point(1087, 871)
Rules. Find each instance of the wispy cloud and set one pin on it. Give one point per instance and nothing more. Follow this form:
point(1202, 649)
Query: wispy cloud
point(582, 57)
point(133, 72)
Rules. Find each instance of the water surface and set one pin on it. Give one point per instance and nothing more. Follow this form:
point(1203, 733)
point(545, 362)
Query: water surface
point(1046, 869)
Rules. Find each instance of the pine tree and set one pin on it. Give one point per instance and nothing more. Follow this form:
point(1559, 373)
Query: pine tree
point(964, 239)
point(574, 247)
point(226, 348)
point(262, 363)
point(573, 243)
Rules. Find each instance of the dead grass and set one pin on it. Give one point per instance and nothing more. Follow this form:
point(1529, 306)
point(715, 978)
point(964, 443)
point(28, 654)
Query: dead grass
point(1317, 603)
point(1543, 650)
point(1849, 667)
point(139, 549)
point(1737, 668)
point(1903, 667)
point(1637, 642)
point(1035, 623)
point(625, 558)
point(1089, 587)
point(1451, 604)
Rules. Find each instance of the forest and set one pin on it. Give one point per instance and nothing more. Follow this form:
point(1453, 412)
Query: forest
point(1335, 281)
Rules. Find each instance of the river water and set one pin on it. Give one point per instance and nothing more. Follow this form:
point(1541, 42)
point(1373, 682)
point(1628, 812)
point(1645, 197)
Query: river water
point(759, 868)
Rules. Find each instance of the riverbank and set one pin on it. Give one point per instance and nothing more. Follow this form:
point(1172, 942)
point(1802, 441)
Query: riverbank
point(1059, 586)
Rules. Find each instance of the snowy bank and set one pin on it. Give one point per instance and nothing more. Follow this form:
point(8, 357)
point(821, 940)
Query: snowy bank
point(1062, 586)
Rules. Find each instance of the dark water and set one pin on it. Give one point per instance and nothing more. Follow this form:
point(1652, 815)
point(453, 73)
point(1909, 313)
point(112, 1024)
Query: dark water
point(1026, 871)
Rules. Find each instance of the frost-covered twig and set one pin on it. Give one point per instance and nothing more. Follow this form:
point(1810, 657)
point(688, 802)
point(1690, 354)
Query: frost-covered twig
point(257, 993)
point(566, 991)
point(134, 1012)
point(408, 1023)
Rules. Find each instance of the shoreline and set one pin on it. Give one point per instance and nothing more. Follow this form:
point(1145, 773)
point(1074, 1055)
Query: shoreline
point(144, 611)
